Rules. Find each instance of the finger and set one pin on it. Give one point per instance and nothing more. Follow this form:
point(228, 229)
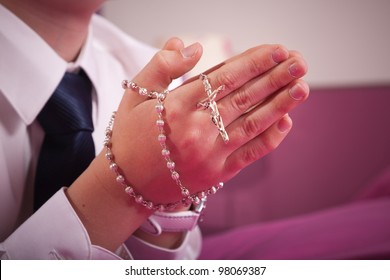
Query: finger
point(258, 89)
point(258, 120)
point(170, 63)
point(253, 63)
point(174, 44)
point(237, 71)
point(259, 146)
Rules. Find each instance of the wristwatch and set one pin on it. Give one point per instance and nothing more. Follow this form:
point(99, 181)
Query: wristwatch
point(174, 221)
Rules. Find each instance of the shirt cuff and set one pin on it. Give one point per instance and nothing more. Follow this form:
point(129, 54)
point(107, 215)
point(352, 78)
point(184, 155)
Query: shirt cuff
point(188, 250)
point(56, 232)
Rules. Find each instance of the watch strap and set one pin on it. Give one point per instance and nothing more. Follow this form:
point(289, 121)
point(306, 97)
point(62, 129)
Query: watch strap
point(170, 222)
point(173, 221)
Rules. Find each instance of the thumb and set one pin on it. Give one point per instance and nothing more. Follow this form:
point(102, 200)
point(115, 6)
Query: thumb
point(171, 62)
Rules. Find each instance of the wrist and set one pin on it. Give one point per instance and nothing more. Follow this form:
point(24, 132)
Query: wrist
point(106, 213)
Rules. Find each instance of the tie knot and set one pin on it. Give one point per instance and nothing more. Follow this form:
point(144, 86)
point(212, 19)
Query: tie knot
point(69, 109)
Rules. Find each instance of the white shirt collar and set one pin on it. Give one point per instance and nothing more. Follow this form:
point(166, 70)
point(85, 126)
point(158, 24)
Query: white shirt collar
point(26, 84)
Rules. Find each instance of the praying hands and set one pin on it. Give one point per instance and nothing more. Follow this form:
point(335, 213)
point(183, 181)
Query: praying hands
point(260, 87)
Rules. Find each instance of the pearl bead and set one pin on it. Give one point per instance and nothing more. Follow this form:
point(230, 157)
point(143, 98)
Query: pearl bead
point(108, 132)
point(120, 179)
point(113, 167)
point(171, 165)
point(159, 108)
point(139, 199)
point(107, 143)
point(129, 190)
point(162, 138)
point(160, 123)
point(165, 152)
point(109, 156)
point(175, 175)
point(185, 192)
point(161, 96)
point(196, 200)
point(143, 91)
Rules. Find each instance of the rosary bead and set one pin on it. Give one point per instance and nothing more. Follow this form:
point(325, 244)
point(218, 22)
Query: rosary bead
point(129, 190)
point(114, 167)
point(125, 84)
point(213, 190)
point(107, 143)
point(160, 123)
point(175, 175)
point(185, 192)
point(108, 132)
point(162, 138)
point(165, 152)
point(171, 165)
point(120, 179)
point(109, 155)
point(159, 108)
point(196, 200)
point(142, 91)
point(139, 199)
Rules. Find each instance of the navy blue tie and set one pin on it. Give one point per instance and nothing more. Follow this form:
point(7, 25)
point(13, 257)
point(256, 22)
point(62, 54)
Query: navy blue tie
point(68, 147)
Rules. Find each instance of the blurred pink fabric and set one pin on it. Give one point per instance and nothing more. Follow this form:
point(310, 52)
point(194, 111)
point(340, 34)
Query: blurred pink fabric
point(323, 194)
point(360, 230)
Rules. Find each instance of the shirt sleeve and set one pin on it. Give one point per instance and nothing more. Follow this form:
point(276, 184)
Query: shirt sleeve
point(56, 232)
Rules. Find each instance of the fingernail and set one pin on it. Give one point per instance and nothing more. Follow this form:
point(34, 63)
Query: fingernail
point(285, 123)
point(279, 55)
point(190, 51)
point(298, 92)
point(294, 70)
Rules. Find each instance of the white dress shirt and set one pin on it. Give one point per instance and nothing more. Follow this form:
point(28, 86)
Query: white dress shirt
point(29, 73)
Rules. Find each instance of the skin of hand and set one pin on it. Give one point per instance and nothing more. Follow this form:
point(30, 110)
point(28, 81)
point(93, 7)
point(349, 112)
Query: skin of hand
point(261, 86)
